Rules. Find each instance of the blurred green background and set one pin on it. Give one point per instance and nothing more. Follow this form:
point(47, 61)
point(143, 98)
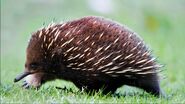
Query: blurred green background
point(160, 23)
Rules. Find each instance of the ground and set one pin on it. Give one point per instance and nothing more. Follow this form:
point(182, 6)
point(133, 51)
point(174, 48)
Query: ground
point(160, 23)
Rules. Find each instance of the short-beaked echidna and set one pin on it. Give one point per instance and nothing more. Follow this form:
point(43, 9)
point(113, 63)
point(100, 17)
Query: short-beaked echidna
point(93, 53)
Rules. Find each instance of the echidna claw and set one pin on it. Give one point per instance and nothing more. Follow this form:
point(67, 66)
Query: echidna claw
point(25, 85)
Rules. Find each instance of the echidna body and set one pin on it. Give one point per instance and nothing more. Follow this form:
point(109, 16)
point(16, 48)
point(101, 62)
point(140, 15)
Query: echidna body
point(93, 53)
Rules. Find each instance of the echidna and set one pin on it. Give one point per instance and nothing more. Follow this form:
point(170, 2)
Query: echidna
point(93, 53)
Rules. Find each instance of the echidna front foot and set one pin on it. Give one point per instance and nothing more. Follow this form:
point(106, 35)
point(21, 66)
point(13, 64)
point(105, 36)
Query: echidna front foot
point(33, 80)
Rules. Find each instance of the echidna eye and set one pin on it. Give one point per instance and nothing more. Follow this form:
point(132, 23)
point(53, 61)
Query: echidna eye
point(33, 66)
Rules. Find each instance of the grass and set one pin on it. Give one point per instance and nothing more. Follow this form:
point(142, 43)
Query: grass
point(161, 26)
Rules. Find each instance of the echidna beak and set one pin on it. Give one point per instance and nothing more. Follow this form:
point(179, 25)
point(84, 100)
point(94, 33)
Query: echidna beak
point(21, 76)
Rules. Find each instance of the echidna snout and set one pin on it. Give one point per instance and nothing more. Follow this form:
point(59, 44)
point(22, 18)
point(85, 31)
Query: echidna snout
point(92, 52)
